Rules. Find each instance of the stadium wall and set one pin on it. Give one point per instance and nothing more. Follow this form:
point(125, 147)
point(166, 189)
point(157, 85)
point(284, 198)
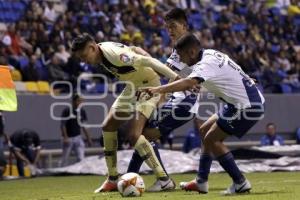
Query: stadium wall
point(34, 112)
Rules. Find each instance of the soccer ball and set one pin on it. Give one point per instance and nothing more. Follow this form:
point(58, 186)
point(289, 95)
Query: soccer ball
point(131, 185)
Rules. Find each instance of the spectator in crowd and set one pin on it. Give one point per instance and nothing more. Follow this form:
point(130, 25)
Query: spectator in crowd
point(26, 146)
point(62, 54)
point(72, 123)
point(50, 13)
point(192, 139)
point(298, 136)
point(3, 137)
point(271, 137)
point(5, 40)
point(56, 71)
point(30, 72)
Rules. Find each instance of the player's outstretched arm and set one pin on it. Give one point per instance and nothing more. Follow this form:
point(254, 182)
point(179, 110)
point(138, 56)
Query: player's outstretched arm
point(179, 85)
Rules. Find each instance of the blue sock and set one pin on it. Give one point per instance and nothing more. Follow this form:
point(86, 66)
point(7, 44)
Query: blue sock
point(155, 148)
point(204, 167)
point(229, 165)
point(135, 163)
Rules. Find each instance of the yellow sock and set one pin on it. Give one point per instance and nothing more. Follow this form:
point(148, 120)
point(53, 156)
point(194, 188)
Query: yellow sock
point(147, 153)
point(110, 140)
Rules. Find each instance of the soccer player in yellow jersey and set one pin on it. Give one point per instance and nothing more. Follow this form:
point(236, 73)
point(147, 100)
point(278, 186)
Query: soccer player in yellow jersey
point(141, 71)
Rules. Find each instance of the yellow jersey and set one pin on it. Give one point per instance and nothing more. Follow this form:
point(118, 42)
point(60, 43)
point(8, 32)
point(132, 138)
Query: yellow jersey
point(126, 65)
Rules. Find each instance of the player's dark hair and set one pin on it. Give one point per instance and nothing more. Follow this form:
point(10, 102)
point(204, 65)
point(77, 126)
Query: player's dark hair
point(270, 124)
point(81, 41)
point(176, 14)
point(187, 41)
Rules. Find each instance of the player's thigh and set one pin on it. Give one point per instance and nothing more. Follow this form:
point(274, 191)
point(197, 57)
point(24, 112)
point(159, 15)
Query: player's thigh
point(124, 103)
point(114, 120)
point(146, 107)
point(204, 128)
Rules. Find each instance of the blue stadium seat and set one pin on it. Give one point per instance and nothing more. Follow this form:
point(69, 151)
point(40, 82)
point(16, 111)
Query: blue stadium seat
point(216, 16)
point(238, 27)
point(1, 16)
point(243, 10)
point(7, 5)
point(24, 62)
point(275, 11)
point(296, 20)
point(286, 88)
point(196, 20)
point(18, 6)
point(275, 48)
point(165, 37)
point(85, 20)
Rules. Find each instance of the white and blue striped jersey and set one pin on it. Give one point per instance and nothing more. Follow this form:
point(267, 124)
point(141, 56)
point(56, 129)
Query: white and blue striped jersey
point(183, 70)
point(222, 76)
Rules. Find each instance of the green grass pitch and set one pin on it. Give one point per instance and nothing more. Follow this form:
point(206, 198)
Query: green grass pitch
point(266, 186)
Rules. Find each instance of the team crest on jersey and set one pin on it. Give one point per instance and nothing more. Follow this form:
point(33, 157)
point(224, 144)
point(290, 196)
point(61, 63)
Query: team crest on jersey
point(125, 58)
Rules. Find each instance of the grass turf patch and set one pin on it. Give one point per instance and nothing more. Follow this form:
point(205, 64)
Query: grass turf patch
point(266, 186)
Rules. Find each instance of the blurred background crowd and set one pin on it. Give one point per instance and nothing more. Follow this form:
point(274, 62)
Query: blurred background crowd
point(263, 36)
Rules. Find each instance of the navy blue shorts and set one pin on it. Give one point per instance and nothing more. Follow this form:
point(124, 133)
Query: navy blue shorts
point(171, 117)
point(238, 122)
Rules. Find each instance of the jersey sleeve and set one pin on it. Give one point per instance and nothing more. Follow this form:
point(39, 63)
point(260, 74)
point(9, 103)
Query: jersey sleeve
point(174, 62)
point(202, 72)
point(156, 65)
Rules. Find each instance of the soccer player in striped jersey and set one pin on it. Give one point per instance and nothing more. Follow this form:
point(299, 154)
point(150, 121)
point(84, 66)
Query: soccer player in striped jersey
point(181, 107)
point(244, 106)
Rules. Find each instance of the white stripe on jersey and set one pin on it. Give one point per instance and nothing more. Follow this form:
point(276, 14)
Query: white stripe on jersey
point(183, 70)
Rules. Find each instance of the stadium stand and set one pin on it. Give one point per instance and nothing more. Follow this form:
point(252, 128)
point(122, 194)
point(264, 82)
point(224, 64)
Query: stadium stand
point(263, 37)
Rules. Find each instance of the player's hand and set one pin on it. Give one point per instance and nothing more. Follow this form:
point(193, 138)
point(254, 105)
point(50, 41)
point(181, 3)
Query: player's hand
point(147, 92)
point(196, 89)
